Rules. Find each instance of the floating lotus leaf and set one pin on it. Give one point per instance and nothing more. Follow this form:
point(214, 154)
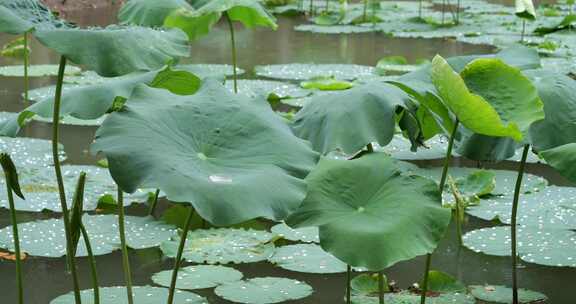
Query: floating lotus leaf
point(550, 247)
point(233, 160)
point(20, 16)
point(306, 234)
point(326, 84)
point(37, 70)
point(223, 246)
point(141, 295)
point(149, 12)
point(4, 116)
point(85, 78)
point(441, 282)
point(502, 294)
point(400, 148)
point(29, 152)
point(334, 29)
point(71, 120)
point(210, 70)
point(263, 88)
point(264, 290)
point(563, 159)
point(199, 277)
point(302, 71)
point(117, 50)
point(410, 298)
point(359, 206)
point(351, 119)
point(46, 238)
point(552, 207)
point(308, 258)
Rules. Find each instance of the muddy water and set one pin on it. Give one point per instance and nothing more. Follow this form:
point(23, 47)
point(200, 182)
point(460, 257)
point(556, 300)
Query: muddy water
point(45, 278)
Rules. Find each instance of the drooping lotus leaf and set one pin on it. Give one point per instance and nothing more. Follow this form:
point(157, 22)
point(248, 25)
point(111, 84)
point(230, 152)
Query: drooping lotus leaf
point(46, 238)
point(559, 97)
point(405, 297)
point(37, 70)
point(442, 282)
point(550, 247)
point(351, 119)
point(306, 234)
point(364, 205)
point(191, 22)
point(503, 294)
point(569, 22)
point(552, 208)
point(149, 12)
point(229, 156)
point(41, 189)
point(199, 277)
point(563, 159)
point(308, 258)
point(264, 290)
point(525, 9)
point(223, 246)
point(301, 71)
point(117, 50)
point(472, 110)
point(29, 152)
point(20, 16)
point(71, 120)
point(141, 295)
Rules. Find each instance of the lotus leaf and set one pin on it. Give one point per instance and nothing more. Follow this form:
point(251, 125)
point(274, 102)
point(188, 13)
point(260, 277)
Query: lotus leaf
point(199, 277)
point(264, 290)
point(307, 234)
point(301, 71)
point(37, 70)
point(502, 294)
point(149, 12)
point(141, 295)
point(308, 258)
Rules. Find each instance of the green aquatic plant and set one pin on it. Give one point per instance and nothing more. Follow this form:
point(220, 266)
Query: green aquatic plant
point(197, 23)
point(525, 11)
point(13, 187)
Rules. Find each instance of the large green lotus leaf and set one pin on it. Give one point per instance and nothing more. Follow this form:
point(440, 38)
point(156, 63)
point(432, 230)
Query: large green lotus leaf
point(507, 90)
point(563, 159)
point(46, 238)
point(20, 16)
point(306, 234)
point(117, 50)
point(72, 121)
point(250, 13)
point(41, 189)
point(405, 297)
point(351, 119)
point(149, 12)
point(503, 294)
point(141, 295)
point(29, 152)
point(525, 9)
point(37, 70)
point(264, 290)
point(552, 207)
point(301, 71)
point(223, 246)
point(550, 247)
point(472, 110)
point(195, 25)
point(307, 258)
point(364, 205)
point(198, 277)
point(228, 155)
point(559, 97)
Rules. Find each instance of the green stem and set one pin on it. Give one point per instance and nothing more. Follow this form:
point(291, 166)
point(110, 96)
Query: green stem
point(26, 63)
point(61, 191)
point(447, 159)
point(365, 10)
point(326, 7)
point(458, 12)
point(443, 10)
point(523, 31)
point(93, 271)
point(380, 287)
point(348, 283)
point(125, 259)
point(370, 148)
point(234, 60)
point(420, 9)
point(513, 223)
point(154, 203)
point(311, 12)
point(19, 284)
point(179, 256)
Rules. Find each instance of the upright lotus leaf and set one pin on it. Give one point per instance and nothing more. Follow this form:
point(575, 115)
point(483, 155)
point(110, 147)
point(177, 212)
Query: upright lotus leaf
point(559, 96)
point(149, 12)
point(472, 110)
point(369, 214)
point(193, 24)
point(228, 155)
point(525, 9)
point(351, 119)
point(21, 16)
point(117, 50)
point(563, 159)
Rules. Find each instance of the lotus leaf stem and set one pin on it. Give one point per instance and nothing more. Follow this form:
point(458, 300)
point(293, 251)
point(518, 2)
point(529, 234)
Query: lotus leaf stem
point(523, 31)
point(125, 258)
point(348, 283)
point(179, 255)
point(365, 10)
point(19, 284)
point(380, 287)
point(26, 63)
point(513, 223)
point(154, 203)
point(234, 59)
point(447, 159)
point(92, 260)
point(61, 191)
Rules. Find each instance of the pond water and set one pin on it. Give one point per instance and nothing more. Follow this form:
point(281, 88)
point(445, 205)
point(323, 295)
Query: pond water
point(44, 278)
